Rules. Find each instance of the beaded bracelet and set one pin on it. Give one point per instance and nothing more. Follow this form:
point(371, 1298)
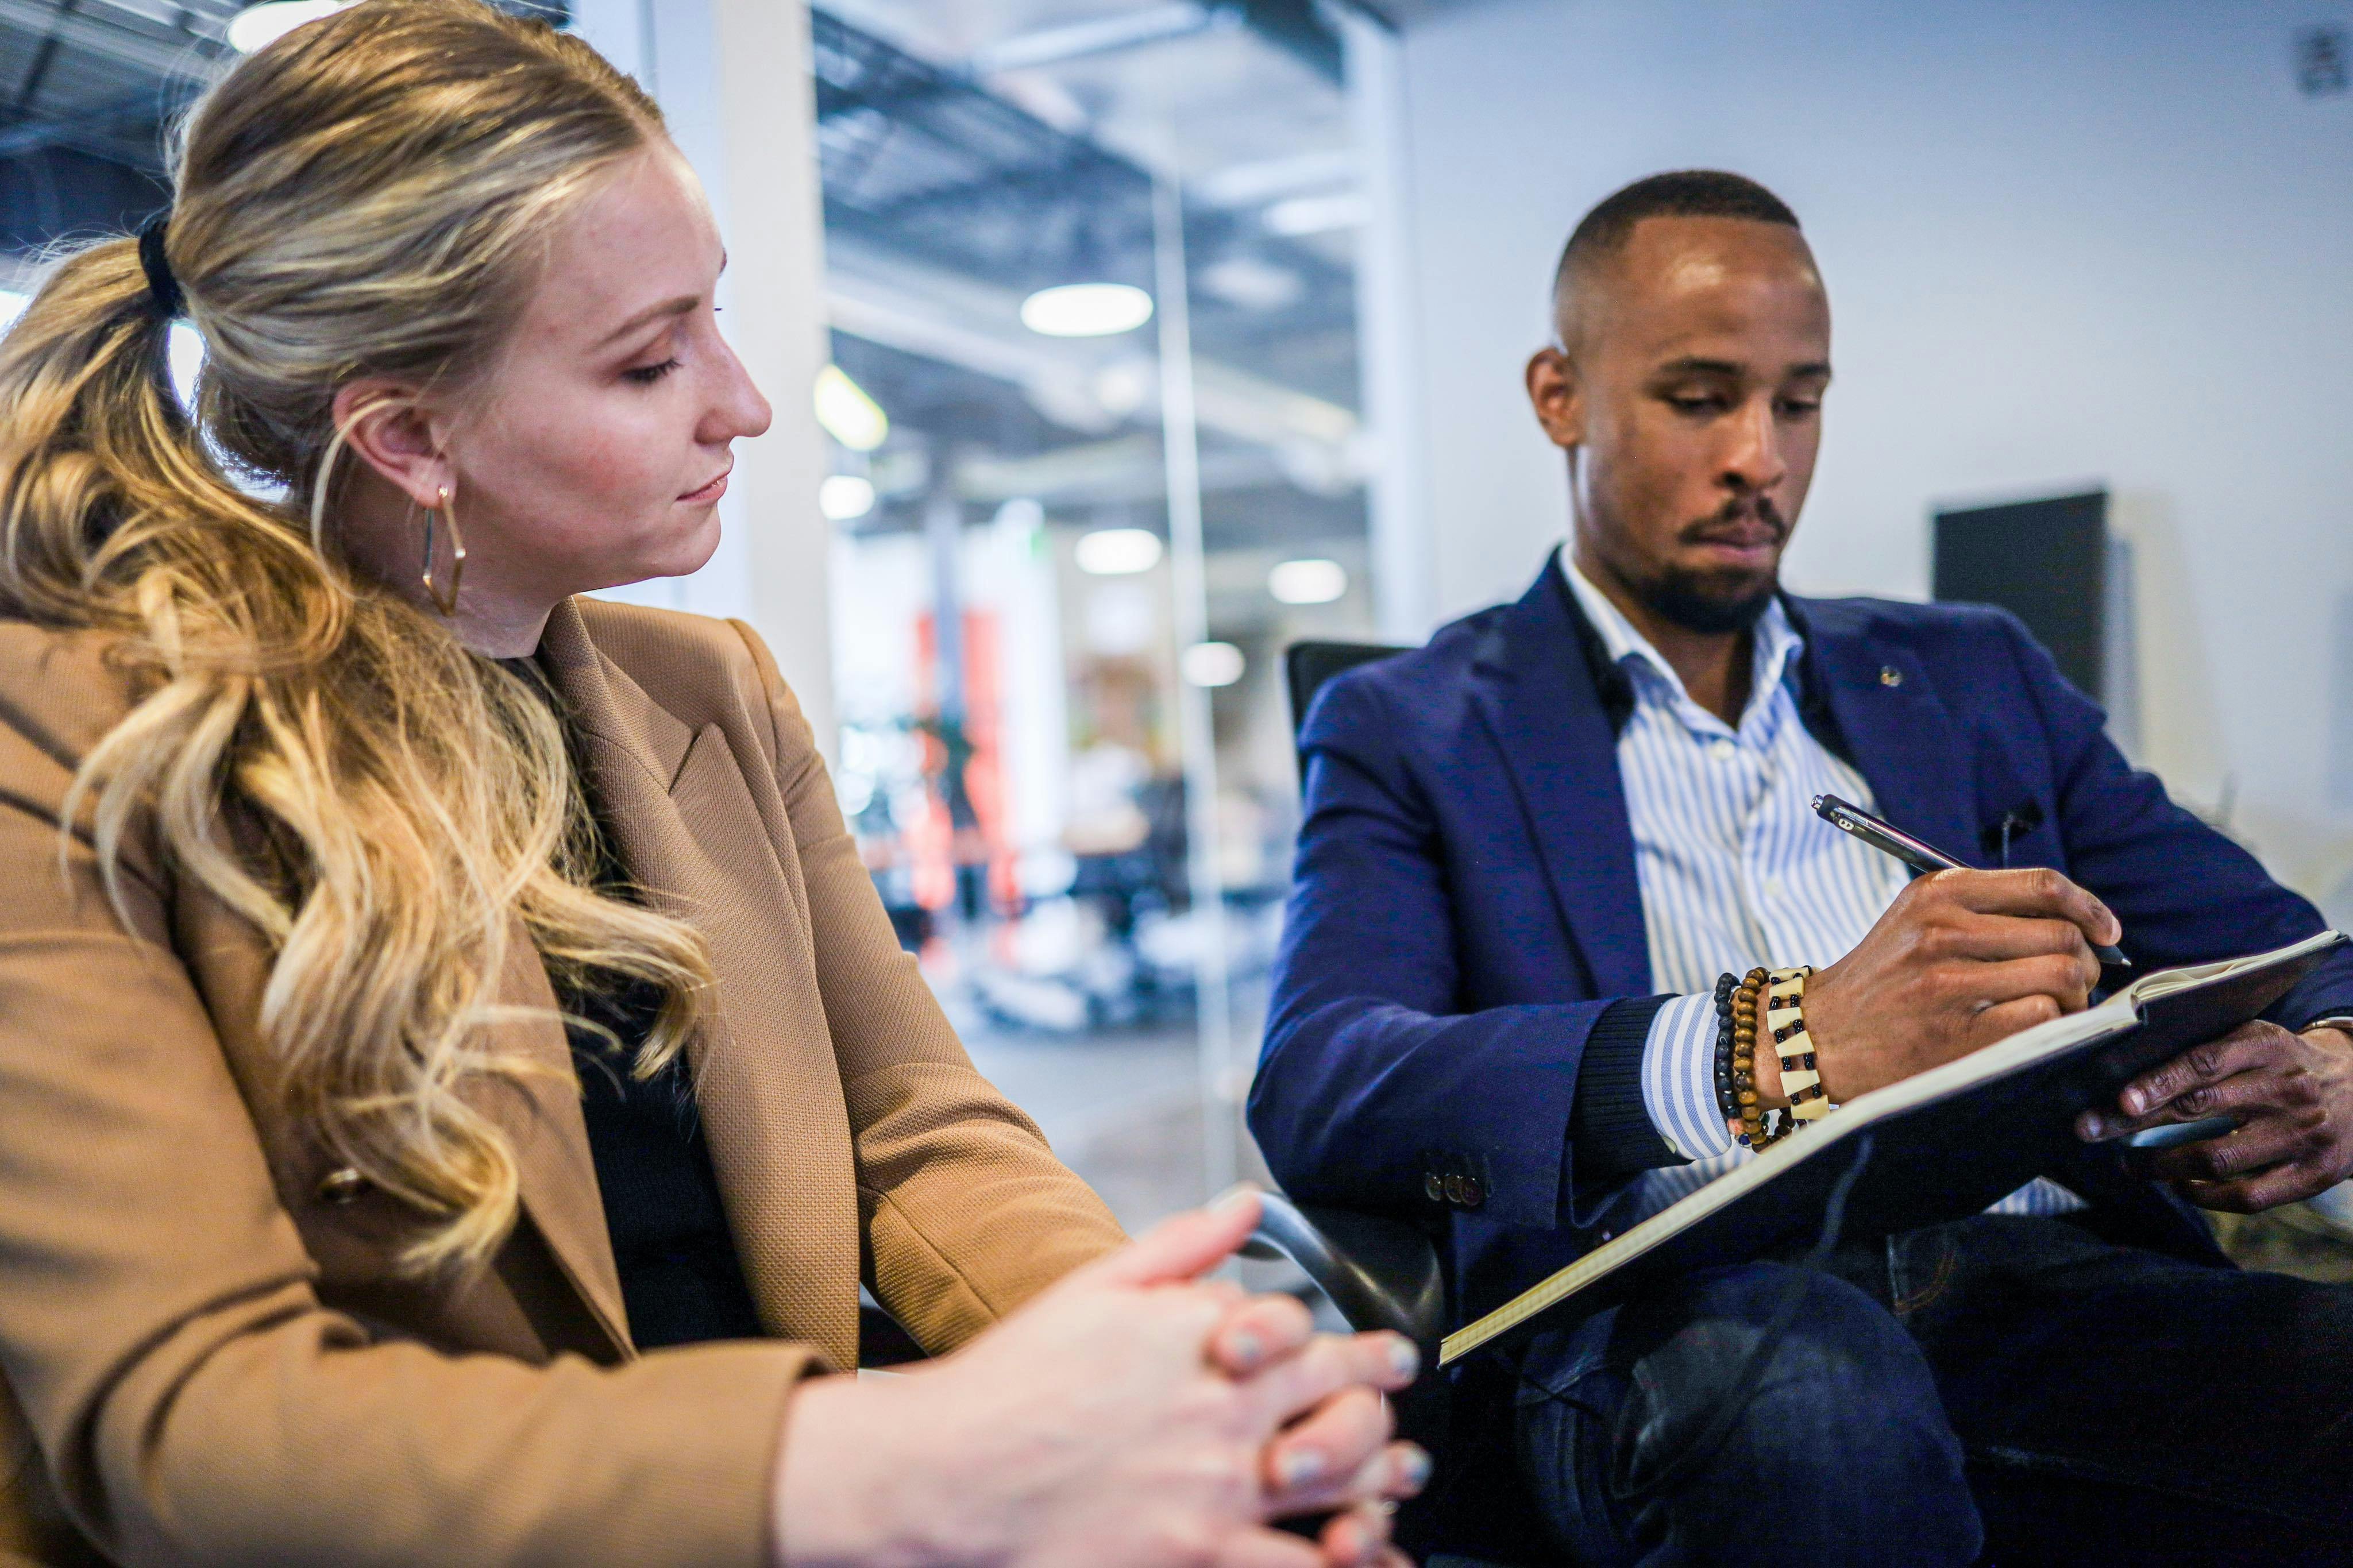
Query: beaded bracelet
point(1727, 1093)
point(1738, 1028)
point(1784, 1016)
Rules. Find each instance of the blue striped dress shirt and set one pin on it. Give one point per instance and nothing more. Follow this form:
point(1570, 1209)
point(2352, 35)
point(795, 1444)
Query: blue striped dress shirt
point(1735, 872)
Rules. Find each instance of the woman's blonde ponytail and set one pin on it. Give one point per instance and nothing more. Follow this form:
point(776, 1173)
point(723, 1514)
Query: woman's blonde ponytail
point(370, 196)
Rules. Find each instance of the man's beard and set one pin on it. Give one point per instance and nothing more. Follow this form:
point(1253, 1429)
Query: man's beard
point(1703, 602)
point(1715, 603)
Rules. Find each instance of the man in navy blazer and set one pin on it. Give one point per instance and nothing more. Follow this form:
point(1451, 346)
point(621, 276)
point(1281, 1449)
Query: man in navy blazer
point(1511, 832)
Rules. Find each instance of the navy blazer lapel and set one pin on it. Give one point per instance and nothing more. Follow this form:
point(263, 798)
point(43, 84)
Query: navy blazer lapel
point(1538, 699)
point(1895, 727)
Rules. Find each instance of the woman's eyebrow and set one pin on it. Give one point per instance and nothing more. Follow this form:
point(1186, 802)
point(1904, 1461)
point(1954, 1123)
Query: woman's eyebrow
point(678, 307)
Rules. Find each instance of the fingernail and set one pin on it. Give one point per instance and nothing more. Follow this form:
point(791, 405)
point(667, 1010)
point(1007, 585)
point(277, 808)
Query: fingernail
point(2133, 1101)
point(1234, 1197)
point(1245, 1348)
point(1298, 1466)
point(1413, 1466)
point(1405, 1357)
point(2090, 1127)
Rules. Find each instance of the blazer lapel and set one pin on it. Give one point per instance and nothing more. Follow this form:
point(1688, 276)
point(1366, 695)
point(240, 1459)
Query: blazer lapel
point(689, 832)
point(1899, 734)
point(1560, 749)
point(556, 1172)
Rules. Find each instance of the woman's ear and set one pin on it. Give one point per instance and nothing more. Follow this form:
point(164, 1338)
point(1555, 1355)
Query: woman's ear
point(1558, 397)
point(383, 423)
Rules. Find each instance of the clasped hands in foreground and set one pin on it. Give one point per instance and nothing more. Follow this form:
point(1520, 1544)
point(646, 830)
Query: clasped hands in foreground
point(1963, 959)
point(1133, 1414)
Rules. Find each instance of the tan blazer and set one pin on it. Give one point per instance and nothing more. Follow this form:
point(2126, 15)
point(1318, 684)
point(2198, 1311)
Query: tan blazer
point(207, 1358)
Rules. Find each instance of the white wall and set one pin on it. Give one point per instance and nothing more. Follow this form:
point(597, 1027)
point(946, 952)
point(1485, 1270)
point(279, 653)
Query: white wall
point(2065, 239)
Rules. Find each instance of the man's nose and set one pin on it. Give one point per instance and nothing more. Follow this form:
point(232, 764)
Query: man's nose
point(1753, 460)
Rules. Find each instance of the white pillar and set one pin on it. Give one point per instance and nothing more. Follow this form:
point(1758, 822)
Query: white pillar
point(1389, 336)
point(732, 79)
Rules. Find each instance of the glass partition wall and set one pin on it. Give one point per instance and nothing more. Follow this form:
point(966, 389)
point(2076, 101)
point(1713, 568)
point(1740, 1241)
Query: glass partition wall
point(1096, 461)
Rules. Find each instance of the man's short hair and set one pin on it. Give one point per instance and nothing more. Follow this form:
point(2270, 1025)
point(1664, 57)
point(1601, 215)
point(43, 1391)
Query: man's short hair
point(1683, 193)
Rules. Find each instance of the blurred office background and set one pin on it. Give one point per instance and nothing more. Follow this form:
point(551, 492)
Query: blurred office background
point(1118, 343)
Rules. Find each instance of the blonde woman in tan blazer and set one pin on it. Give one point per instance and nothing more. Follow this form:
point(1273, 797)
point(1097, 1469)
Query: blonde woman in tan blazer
point(343, 843)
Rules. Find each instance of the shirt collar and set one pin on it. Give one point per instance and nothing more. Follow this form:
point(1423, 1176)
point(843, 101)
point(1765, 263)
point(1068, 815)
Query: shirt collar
point(1777, 645)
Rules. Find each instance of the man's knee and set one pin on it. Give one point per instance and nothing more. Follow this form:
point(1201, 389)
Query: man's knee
point(1810, 1388)
point(1739, 1384)
point(1800, 1353)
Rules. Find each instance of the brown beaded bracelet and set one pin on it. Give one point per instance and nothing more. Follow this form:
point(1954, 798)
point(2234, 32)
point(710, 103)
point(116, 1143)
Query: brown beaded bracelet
point(1746, 998)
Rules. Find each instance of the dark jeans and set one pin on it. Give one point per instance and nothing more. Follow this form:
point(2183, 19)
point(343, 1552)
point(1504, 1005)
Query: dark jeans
point(2010, 1386)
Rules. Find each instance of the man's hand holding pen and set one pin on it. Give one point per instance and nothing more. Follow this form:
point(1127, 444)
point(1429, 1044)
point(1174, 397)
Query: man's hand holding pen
point(1960, 960)
point(1965, 958)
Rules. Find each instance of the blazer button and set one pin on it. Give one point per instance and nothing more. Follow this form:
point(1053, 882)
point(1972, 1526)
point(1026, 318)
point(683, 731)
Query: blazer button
point(1890, 675)
point(1454, 1188)
point(1433, 1187)
point(341, 1188)
point(1473, 1195)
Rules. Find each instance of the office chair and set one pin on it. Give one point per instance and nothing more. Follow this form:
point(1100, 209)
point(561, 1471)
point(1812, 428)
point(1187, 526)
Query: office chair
point(1381, 1272)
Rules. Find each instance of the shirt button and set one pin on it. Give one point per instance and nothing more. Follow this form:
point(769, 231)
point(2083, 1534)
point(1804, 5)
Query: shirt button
point(1772, 887)
point(1723, 750)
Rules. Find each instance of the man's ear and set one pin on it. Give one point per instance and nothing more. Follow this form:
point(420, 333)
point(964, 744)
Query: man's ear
point(1558, 396)
point(383, 423)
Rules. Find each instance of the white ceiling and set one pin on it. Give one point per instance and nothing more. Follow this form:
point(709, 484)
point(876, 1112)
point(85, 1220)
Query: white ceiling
point(1201, 105)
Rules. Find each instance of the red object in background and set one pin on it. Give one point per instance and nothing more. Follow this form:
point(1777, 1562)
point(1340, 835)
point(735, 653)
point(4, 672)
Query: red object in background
point(932, 847)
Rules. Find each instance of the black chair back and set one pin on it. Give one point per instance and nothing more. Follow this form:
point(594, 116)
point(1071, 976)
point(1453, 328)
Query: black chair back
point(1306, 666)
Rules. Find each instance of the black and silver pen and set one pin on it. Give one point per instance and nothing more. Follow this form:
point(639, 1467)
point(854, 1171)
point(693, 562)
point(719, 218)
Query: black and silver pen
point(1923, 858)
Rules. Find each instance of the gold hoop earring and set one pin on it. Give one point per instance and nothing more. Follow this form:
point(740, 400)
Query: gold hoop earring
point(446, 603)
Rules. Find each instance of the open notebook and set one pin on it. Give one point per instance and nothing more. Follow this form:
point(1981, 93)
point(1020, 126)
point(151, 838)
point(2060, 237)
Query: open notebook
point(1944, 1144)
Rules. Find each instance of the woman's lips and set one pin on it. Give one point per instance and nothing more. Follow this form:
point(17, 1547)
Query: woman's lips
point(708, 494)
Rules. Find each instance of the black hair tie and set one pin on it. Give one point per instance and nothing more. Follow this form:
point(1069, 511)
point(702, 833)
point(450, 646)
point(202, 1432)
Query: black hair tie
point(163, 288)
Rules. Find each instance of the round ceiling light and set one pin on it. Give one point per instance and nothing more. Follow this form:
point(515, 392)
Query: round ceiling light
point(1310, 582)
point(1211, 664)
point(259, 27)
point(1117, 551)
point(1086, 310)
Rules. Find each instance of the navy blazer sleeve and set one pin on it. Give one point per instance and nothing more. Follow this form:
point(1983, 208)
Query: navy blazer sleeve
point(2184, 892)
point(1376, 1084)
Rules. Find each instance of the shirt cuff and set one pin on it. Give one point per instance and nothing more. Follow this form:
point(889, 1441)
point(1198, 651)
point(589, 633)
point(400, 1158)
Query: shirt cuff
point(1678, 1078)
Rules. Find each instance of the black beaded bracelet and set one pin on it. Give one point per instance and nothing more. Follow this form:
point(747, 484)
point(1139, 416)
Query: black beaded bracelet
point(1727, 1096)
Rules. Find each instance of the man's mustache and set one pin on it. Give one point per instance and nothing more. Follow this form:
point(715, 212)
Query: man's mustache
point(1729, 518)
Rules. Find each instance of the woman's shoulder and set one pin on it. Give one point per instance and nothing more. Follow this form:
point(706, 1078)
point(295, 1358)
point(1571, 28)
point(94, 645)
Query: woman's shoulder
point(63, 688)
point(700, 669)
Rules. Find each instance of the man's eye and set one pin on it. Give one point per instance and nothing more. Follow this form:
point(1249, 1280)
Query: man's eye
point(1687, 404)
point(647, 374)
point(1802, 407)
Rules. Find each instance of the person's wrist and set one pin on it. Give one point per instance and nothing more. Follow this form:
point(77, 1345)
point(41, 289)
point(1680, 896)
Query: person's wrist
point(2335, 1036)
point(849, 1481)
